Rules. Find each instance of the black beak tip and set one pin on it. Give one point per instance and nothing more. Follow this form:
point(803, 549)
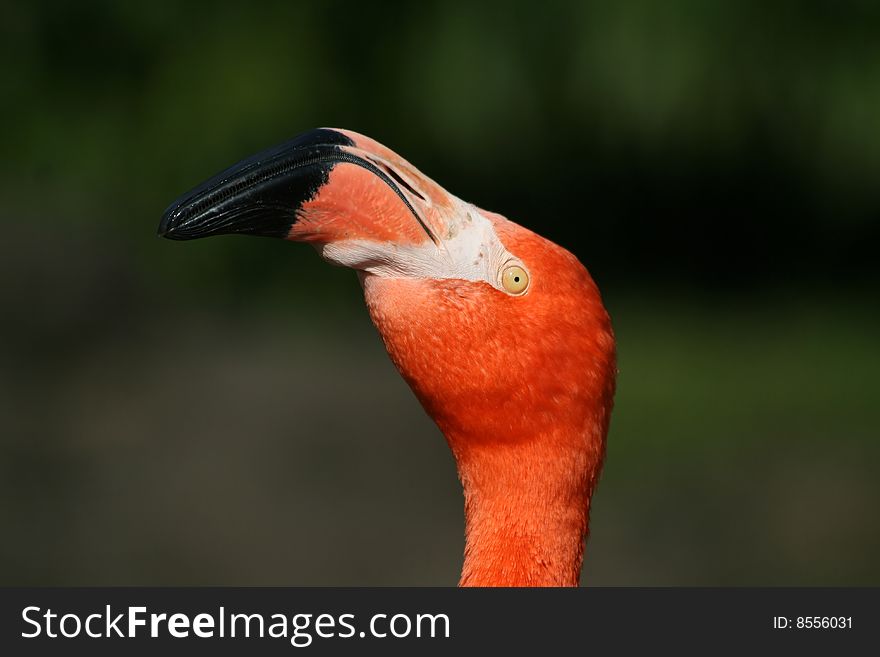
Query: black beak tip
point(168, 224)
point(259, 195)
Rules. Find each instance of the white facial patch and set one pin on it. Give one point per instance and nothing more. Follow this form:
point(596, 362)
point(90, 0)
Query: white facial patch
point(469, 250)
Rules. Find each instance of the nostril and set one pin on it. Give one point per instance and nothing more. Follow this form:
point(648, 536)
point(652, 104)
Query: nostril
point(401, 181)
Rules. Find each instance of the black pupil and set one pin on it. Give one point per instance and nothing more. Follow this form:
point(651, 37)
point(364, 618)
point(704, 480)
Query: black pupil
point(516, 279)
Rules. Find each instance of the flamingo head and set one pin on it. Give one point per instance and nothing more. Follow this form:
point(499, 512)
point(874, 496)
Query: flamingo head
point(501, 334)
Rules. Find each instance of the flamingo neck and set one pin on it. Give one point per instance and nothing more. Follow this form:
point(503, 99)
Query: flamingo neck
point(526, 514)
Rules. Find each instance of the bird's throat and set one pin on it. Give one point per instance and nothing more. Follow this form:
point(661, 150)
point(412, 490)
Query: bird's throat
point(526, 516)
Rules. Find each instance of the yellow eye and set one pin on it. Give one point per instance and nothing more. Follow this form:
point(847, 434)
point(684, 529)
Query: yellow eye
point(515, 280)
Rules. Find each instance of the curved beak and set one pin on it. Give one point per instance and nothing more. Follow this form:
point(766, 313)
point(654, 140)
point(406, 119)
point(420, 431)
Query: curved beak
point(321, 186)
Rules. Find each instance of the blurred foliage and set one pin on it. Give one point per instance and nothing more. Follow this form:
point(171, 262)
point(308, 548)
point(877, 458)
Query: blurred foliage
point(716, 143)
point(715, 164)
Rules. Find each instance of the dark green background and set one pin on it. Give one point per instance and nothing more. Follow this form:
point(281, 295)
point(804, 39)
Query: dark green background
point(222, 412)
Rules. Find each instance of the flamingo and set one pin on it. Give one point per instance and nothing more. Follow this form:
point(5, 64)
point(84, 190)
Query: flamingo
point(501, 334)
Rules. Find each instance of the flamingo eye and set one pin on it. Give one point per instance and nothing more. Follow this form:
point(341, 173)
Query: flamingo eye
point(515, 279)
